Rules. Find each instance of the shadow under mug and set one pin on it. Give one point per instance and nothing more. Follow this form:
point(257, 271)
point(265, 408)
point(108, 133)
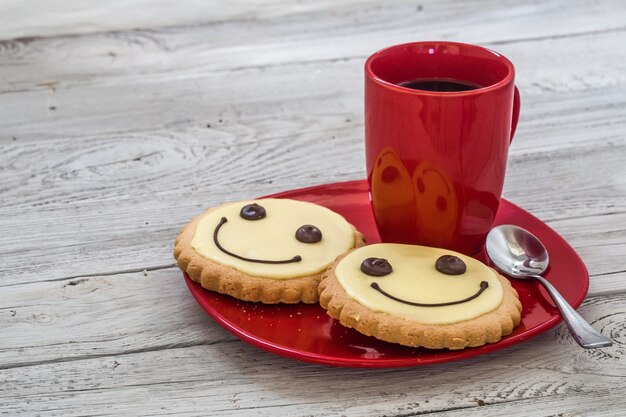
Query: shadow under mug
point(436, 160)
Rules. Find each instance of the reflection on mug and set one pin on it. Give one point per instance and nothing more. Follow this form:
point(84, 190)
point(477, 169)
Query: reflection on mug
point(392, 198)
point(478, 215)
point(436, 205)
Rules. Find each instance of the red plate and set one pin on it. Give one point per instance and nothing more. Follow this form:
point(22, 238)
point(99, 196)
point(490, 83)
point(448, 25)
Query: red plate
point(306, 332)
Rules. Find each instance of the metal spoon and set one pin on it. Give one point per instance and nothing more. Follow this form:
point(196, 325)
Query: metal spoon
point(519, 254)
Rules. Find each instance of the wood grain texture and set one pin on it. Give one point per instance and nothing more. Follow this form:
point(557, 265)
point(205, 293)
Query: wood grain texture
point(189, 88)
point(231, 378)
point(107, 57)
point(30, 18)
point(144, 175)
point(79, 318)
point(149, 185)
point(122, 120)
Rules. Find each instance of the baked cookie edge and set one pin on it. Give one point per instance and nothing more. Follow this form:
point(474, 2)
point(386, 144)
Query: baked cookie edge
point(230, 281)
point(487, 328)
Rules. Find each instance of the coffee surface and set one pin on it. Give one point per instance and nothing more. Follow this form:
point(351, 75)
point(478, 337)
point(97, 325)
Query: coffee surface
point(445, 85)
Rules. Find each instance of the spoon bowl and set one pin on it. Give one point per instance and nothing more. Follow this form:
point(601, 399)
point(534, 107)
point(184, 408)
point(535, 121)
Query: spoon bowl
point(519, 254)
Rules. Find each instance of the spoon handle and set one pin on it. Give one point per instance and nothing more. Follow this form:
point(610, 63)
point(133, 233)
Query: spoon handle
point(585, 335)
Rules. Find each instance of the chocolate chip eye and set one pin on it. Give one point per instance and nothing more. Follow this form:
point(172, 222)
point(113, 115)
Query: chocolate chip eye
point(376, 267)
point(450, 265)
point(308, 234)
point(252, 211)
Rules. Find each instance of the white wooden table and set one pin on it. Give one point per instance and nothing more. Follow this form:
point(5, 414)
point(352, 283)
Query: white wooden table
point(120, 120)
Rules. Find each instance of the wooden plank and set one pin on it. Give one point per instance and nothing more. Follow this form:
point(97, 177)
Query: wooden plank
point(101, 316)
point(144, 157)
point(608, 402)
point(232, 378)
point(32, 19)
point(25, 19)
point(353, 30)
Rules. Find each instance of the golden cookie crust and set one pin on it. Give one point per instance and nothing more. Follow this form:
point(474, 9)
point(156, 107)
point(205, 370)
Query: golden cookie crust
point(227, 280)
point(487, 328)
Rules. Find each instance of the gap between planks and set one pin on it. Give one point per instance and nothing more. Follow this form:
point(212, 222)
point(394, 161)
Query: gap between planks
point(97, 274)
point(115, 354)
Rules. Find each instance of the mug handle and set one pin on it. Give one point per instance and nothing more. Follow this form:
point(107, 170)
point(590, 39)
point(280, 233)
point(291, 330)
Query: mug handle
point(516, 106)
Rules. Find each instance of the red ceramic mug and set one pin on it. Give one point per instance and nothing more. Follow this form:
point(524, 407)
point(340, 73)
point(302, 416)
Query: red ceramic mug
point(436, 159)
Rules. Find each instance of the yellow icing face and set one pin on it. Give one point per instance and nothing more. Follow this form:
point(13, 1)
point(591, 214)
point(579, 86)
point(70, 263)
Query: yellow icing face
point(264, 243)
point(415, 289)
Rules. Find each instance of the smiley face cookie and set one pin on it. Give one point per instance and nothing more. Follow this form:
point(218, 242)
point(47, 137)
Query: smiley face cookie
point(267, 250)
point(420, 296)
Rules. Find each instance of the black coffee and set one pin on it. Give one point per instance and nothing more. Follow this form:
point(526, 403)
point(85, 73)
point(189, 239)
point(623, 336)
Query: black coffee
point(445, 85)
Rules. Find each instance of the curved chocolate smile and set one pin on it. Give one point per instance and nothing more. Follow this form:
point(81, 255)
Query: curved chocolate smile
point(483, 286)
point(296, 258)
